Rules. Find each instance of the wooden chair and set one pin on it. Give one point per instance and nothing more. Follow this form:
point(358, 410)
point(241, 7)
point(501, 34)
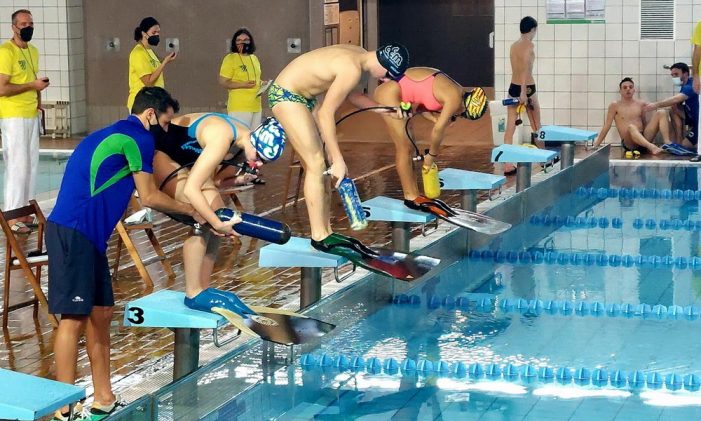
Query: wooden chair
point(17, 259)
point(124, 239)
point(294, 164)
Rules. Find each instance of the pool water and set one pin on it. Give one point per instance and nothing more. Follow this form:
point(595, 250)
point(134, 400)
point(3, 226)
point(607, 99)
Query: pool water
point(558, 319)
point(49, 174)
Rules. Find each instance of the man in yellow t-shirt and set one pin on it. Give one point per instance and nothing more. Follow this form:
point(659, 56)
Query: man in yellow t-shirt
point(20, 100)
point(145, 69)
point(695, 59)
point(240, 73)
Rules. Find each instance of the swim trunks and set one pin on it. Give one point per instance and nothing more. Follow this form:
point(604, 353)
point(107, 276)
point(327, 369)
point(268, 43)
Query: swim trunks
point(277, 94)
point(515, 90)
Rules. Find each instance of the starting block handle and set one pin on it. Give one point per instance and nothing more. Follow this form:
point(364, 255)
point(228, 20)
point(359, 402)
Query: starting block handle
point(424, 231)
point(219, 344)
point(346, 276)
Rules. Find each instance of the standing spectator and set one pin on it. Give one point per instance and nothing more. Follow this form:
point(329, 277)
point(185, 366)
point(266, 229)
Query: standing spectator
point(695, 65)
point(20, 100)
point(240, 74)
point(144, 67)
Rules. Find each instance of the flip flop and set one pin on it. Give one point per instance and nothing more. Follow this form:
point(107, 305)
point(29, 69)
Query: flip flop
point(20, 228)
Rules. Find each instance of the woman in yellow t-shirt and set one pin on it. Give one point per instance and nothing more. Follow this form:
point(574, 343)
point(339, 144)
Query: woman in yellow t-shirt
point(240, 74)
point(145, 69)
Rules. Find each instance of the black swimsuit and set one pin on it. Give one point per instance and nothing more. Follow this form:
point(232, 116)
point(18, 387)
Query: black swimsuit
point(180, 147)
point(515, 90)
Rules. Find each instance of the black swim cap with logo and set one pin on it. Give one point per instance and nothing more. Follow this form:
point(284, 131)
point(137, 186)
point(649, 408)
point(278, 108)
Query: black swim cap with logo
point(395, 58)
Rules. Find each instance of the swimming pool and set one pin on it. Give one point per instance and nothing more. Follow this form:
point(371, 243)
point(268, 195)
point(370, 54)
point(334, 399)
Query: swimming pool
point(586, 310)
point(49, 173)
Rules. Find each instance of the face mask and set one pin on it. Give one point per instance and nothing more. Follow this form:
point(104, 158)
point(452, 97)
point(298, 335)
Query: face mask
point(677, 81)
point(26, 33)
point(154, 40)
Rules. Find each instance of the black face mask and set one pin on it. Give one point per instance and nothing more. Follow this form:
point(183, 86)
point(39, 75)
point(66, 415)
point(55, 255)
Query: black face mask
point(26, 33)
point(154, 40)
point(246, 48)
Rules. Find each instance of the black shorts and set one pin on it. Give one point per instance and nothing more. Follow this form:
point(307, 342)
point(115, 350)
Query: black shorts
point(79, 276)
point(515, 90)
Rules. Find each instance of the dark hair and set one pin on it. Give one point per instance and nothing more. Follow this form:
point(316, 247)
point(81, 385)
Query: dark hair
point(236, 35)
point(527, 24)
point(144, 26)
point(17, 12)
point(154, 97)
point(681, 66)
point(626, 79)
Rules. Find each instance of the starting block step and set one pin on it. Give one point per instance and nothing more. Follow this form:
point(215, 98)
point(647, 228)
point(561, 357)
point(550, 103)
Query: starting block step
point(26, 397)
point(521, 154)
point(558, 134)
point(167, 309)
point(298, 252)
point(455, 179)
point(382, 208)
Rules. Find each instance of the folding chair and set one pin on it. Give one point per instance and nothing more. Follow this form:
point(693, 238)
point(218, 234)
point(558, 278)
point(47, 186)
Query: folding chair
point(124, 239)
point(294, 163)
point(17, 259)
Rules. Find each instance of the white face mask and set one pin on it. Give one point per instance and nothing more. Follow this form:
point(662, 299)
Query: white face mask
point(677, 81)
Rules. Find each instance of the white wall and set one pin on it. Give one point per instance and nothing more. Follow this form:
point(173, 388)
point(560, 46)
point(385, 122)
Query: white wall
point(58, 35)
point(578, 67)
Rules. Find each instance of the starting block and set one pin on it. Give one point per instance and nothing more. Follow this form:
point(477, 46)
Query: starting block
point(26, 397)
point(382, 208)
point(469, 182)
point(167, 309)
point(524, 157)
point(298, 252)
point(566, 137)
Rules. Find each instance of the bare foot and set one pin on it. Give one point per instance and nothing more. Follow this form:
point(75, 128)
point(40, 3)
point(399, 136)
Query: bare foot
point(656, 150)
point(509, 169)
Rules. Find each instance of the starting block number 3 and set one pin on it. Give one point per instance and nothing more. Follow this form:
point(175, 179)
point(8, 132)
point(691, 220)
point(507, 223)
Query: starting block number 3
point(136, 315)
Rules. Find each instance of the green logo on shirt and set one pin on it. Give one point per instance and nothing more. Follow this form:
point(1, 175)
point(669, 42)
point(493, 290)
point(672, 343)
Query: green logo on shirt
point(115, 144)
point(23, 64)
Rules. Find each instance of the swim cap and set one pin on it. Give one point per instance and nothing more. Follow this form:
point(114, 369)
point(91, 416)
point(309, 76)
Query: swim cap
point(475, 103)
point(393, 57)
point(269, 139)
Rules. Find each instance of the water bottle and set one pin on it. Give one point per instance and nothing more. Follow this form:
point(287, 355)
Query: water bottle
point(509, 101)
point(351, 203)
point(432, 185)
point(257, 227)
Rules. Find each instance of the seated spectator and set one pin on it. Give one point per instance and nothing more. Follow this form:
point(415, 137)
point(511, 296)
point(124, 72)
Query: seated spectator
point(629, 115)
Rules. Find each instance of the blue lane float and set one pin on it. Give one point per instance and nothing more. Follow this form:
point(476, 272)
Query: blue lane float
point(526, 373)
point(638, 193)
point(587, 259)
point(481, 303)
point(591, 222)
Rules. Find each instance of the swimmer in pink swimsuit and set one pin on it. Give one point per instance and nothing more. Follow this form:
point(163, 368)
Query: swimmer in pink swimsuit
point(438, 98)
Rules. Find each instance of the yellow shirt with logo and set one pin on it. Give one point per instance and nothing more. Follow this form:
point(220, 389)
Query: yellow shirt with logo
point(22, 65)
point(242, 68)
point(142, 62)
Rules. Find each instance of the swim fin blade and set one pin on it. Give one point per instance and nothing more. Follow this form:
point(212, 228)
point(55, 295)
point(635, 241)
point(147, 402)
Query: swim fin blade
point(459, 217)
point(405, 267)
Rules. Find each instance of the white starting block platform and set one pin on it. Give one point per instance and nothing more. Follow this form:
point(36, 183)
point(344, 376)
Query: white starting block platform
point(298, 252)
point(558, 134)
point(167, 309)
point(521, 154)
point(25, 397)
point(386, 209)
point(469, 182)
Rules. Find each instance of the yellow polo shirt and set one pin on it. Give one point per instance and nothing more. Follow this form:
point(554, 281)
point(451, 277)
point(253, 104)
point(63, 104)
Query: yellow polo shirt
point(22, 65)
point(242, 68)
point(142, 62)
point(696, 40)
